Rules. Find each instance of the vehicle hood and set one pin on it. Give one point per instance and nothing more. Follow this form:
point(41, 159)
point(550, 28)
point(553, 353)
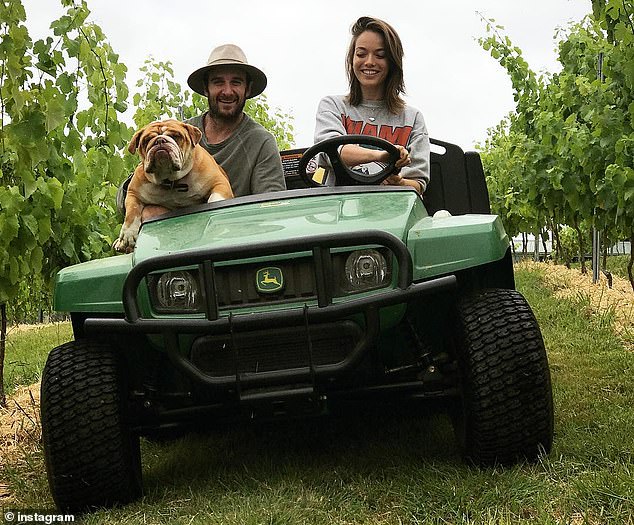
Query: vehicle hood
point(438, 245)
point(284, 218)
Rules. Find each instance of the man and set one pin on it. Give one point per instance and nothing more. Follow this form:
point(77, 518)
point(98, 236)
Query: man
point(244, 149)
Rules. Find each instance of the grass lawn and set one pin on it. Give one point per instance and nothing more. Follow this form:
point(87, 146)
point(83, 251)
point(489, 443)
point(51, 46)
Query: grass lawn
point(396, 466)
point(26, 351)
point(617, 264)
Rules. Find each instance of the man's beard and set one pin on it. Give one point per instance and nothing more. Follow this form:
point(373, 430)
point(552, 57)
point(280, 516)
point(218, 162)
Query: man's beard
point(215, 112)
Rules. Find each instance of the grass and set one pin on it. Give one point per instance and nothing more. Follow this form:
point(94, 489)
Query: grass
point(392, 467)
point(617, 264)
point(26, 351)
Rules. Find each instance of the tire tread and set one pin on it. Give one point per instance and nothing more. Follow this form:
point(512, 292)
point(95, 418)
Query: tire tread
point(507, 400)
point(92, 458)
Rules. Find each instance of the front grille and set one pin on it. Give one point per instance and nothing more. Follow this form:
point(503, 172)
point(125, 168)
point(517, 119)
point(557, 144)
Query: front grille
point(279, 349)
point(236, 285)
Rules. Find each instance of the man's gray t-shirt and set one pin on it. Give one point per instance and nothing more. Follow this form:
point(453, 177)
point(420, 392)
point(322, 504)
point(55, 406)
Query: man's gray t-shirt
point(249, 157)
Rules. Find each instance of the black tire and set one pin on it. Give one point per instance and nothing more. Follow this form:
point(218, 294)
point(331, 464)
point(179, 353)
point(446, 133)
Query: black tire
point(92, 457)
point(506, 411)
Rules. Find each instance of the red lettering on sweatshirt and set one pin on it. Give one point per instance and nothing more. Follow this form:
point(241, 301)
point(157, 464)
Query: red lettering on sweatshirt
point(397, 135)
point(353, 127)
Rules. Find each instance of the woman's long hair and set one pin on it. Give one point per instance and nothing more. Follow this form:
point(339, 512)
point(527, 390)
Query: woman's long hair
point(394, 83)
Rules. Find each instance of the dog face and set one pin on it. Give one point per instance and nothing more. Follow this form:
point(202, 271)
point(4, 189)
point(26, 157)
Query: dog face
point(170, 152)
point(166, 149)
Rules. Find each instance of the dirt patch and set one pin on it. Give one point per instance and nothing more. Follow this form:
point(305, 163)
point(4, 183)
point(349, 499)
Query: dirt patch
point(20, 431)
point(616, 302)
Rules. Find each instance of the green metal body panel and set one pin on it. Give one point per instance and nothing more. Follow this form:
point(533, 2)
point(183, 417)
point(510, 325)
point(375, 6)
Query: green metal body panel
point(448, 244)
point(437, 246)
point(93, 286)
point(393, 212)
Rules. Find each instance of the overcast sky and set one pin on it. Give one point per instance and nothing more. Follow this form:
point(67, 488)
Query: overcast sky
point(301, 47)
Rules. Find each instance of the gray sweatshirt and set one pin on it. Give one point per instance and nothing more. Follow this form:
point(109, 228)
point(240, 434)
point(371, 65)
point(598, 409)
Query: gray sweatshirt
point(335, 117)
point(249, 156)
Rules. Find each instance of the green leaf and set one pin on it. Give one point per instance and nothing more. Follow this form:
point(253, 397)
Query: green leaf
point(30, 183)
point(31, 224)
point(14, 271)
point(55, 114)
point(66, 83)
point(9, 227)
point(44, 228)
point(56, 191)
point(69, 249)
point(37, 256)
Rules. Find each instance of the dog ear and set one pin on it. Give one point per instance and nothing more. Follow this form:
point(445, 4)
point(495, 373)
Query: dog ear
point(194, 133)
point(134, 143)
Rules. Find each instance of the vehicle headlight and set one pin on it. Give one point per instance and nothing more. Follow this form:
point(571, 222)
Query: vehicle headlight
point(176, 291)
point(366, 269)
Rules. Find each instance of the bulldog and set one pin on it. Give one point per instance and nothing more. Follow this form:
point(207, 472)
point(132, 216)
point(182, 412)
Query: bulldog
point(175, 172)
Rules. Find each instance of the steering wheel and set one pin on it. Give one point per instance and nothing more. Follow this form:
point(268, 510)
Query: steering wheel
point(345, 176)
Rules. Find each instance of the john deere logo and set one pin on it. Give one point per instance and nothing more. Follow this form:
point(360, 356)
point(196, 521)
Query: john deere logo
point(269, 280)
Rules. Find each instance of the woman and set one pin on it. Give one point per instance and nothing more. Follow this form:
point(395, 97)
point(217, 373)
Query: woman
point(374, 106)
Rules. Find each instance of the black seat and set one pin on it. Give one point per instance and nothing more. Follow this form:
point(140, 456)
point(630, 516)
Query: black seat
point(457, 183)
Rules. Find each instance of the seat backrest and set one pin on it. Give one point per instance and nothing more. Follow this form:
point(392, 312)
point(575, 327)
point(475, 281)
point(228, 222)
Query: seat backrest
point(457, 182)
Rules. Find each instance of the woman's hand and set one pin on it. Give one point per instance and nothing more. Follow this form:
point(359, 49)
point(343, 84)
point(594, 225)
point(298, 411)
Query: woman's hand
point(404, 158)
point(398, 180)
point(394, 180)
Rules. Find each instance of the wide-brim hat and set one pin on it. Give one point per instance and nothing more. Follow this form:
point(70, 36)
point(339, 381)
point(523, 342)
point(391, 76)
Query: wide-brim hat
point(228, 55)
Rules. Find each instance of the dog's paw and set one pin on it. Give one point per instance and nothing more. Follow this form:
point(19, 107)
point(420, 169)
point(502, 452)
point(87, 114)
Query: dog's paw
point(123, 246)
point(126, 241)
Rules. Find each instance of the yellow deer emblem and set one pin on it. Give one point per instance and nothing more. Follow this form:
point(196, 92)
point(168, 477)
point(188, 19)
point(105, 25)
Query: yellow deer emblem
point(269, 280)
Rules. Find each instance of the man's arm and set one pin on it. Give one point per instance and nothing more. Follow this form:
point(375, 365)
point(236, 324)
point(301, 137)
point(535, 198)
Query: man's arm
point(268, 174)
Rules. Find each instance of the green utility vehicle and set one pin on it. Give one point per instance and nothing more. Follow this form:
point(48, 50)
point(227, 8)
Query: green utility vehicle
point(285, 304)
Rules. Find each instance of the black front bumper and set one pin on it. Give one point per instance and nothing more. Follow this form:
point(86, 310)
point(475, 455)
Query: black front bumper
point(299, 318)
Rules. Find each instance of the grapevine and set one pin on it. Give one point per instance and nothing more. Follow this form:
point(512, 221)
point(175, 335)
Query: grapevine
point(63, 142)
point(565, 156)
